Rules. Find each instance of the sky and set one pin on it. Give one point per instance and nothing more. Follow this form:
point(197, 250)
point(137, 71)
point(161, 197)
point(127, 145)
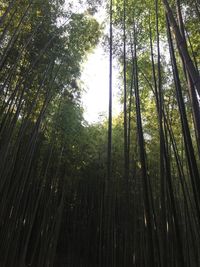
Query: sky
point(95, 79)
point(95, 75)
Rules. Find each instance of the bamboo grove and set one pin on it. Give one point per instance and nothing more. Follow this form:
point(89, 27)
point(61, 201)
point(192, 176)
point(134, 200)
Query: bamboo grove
point(124, 192)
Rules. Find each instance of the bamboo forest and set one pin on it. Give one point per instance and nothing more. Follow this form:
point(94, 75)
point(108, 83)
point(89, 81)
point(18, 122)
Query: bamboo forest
point(119, 192)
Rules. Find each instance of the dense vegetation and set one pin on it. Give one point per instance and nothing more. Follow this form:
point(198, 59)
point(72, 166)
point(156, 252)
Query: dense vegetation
point(124, 192)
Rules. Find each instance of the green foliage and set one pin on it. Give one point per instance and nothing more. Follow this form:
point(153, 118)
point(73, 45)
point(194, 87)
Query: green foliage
point(53, 165)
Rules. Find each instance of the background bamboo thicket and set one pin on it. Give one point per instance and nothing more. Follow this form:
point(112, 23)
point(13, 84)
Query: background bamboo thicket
point(123, 192)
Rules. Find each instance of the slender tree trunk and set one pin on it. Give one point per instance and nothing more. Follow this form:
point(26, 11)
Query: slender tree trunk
point(192, 91)
point(110, 96)
point(145, 177)
point(182, 47)
point(9, 8)
point(126, 165)
point(186, 133)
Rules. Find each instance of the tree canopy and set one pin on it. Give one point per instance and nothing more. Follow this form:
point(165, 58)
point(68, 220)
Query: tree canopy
point(121, 192)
